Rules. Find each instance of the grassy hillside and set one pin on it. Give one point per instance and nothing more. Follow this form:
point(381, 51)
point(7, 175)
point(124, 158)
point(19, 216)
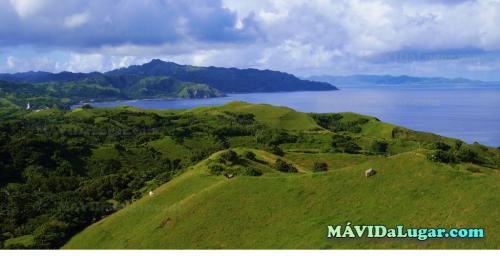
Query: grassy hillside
point(233, 176)
point(273, 116)
point(198, 210)
point(423, 180)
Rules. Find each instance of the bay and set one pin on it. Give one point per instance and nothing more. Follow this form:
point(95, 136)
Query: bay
point(470, 114)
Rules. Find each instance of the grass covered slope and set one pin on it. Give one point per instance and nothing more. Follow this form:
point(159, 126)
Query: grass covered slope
point(198, 210)
point(249, 201)
point(272, 116)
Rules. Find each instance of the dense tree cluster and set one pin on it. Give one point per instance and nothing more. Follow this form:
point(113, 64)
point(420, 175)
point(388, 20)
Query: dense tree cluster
point(62, 170)
point(446, 153)
point(345, 144)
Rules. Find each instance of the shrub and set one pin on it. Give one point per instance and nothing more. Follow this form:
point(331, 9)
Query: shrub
point(249, 155)
point(284, 166)
point(441, 146)
point(460, 153)
point(215, 169)
point(235, 170)
point(320, 166)
point(379, 147)
point(244, 118)
point(276, 150)
point(465, 154)
point(441, 156)
point(164, 177)
point(124, 195)
point(352, 147)
point(119, 148)
point(275, 137)
point(229, 157)
point(344, 143)
point(251, 171)
point(50, 234)
point(104, 167)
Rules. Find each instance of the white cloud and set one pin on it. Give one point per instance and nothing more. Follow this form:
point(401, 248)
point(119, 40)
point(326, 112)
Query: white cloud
point(10, 62)
point(124, 61)
point(20, 64)
point(25, 8)
point(381, 26)
point(200, 58)
point(347, 36)
point(85, 62)
point(76, 20)
point(490, 20)
point(300, 36)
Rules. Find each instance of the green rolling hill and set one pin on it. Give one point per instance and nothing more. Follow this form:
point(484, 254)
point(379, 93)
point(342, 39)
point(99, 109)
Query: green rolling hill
point(248, 201)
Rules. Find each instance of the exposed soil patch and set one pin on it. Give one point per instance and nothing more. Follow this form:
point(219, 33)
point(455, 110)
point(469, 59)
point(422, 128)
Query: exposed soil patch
point(165, 222)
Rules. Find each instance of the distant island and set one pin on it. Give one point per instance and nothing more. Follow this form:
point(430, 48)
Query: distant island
point(389, 80)
point(156, 79)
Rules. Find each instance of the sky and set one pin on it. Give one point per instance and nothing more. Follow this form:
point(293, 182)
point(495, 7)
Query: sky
point(448, 38)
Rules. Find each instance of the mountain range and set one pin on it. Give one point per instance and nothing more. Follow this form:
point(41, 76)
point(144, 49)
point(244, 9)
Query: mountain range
point(390, 80)
point(229, 80)
point(156, 79)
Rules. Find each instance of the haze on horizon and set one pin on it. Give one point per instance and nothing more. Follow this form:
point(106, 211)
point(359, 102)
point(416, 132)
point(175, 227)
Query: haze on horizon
point(448, 38)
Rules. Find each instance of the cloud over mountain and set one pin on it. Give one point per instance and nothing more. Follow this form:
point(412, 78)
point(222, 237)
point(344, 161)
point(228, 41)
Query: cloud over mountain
point(305, 37)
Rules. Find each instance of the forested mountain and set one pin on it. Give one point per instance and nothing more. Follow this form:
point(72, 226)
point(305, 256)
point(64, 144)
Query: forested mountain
point(229, 80)
point(156, 79)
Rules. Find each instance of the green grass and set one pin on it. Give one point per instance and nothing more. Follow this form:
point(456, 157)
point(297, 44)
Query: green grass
point(196, 210)
point(26, 241)
point(126, 152)
point(200, 211)
point(333, 160)
point(170, 148)
point(273, 116)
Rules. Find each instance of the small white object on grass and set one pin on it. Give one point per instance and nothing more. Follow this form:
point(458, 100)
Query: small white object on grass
point(370, 172)
point(151, 193)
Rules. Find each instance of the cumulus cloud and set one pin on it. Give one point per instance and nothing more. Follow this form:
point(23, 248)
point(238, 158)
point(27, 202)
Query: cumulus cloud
point(301, 36)
point(88, 24)
point(377, 36)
